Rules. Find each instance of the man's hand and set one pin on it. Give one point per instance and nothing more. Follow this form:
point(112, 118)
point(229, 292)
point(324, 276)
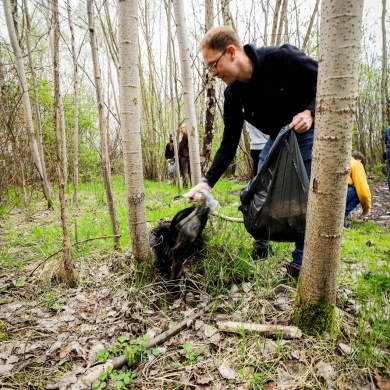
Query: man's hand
point(194, 194)
point(302, 122)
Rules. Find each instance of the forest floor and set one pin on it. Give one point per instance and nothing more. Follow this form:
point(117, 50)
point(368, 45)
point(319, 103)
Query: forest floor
point(49, 338)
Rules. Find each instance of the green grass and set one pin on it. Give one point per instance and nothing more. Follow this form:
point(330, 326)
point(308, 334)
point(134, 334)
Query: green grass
point(31, 235)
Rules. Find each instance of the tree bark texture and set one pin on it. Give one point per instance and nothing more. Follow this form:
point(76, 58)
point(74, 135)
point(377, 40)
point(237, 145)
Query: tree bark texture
point(210, 101)
point(67, 272)
point(25, 99)
point(75, 106)
point(335, 113)
point(188, 91)
point(131, 128)
point(102, 124)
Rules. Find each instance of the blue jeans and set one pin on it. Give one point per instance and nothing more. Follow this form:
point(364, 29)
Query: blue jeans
point(305, 143)
point(388, 168)
point(352, 200)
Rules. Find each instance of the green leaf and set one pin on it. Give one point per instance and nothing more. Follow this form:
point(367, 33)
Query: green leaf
point(127, 380)
point(155, 351)
point(188, 347)
point(103, 376)
point(20, 282)
point(95, 385)
point(119, 385)
point(122, 339)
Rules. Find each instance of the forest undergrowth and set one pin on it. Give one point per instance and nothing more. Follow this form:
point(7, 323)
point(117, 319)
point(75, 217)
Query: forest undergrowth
point(52, 336)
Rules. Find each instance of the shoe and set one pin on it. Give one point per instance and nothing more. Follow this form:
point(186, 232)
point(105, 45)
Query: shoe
point(261, 252)
point(292, 271)
point(346, 226)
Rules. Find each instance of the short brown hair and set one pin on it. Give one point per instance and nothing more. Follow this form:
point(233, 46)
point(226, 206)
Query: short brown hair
point(358, 156)
point(219, 37)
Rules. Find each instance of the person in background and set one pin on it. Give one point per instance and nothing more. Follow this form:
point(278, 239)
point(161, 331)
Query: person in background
point(269, 87)
point(170, 157)
point(258, 141)
point(387, 147)
point(184, 155)
point(358, 191)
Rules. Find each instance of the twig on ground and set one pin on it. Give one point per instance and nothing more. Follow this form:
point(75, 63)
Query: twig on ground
point(120, 361)
point(231, 219)
point(287, 332)
point(72, 245)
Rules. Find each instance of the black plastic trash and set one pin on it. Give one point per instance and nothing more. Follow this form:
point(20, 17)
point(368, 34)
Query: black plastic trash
point(173, 243)
point(274, 202)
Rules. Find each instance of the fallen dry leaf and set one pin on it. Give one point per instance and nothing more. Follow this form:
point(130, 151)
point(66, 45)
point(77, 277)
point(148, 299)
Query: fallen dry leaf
point(226, 372)
point(382, 385)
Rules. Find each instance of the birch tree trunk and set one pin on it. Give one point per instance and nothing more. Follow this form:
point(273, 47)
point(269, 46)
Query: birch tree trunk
point(282, 22)
point(172, 97)
point(188, 92)
point(131, 127)
point(275, 22)
point(36, 99)
point(226, 14)
point(228, 21)
point(210, 100)
point(335, 113)
point(384, 85)
point(75, 107)
point(102, 125)
point(310, 27)
point(67, 270)
point(26, 100)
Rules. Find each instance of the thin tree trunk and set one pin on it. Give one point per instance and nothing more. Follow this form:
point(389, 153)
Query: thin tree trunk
point(384, 85)
point(26, 100)
point(226, 14)
point(188, 92)
point(131, 127)
point(228, 21)
point(62, 115)
point(310, 27)
point(102, 125)
point(282, 18)
point(266, 14)
point(210, 101)
point(275, 22)
point(335, 113)
point(75, 108)
point(36, 99)
point(67, 272)
point(172, 97)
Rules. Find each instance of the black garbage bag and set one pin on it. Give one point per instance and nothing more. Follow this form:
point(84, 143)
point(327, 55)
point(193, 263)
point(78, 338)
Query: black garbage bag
point(174, 242)
point(274, 202)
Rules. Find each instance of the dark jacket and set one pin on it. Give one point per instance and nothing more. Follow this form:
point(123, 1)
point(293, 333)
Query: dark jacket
point(169, 153)
point(183, 147)
point(283, 83)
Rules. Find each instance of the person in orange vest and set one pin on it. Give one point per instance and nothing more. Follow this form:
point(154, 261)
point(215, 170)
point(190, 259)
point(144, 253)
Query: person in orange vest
point(358, 191)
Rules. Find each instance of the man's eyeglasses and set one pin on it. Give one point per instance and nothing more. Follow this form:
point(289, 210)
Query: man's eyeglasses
point(213, 66)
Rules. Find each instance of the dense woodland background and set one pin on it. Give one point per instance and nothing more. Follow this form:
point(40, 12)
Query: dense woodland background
point(260, 22)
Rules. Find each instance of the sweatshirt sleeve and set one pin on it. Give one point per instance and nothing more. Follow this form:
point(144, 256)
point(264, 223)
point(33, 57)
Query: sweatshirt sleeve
point(359, 179)
point(233, 123)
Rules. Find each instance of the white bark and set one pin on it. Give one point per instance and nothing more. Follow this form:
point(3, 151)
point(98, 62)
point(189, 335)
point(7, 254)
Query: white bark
point(102, 125)
point(335, 113)
point(188, 92)
point(172, 97)
point(75, 107)
point(67, 272)
point(130, 126)
point(25, 98)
